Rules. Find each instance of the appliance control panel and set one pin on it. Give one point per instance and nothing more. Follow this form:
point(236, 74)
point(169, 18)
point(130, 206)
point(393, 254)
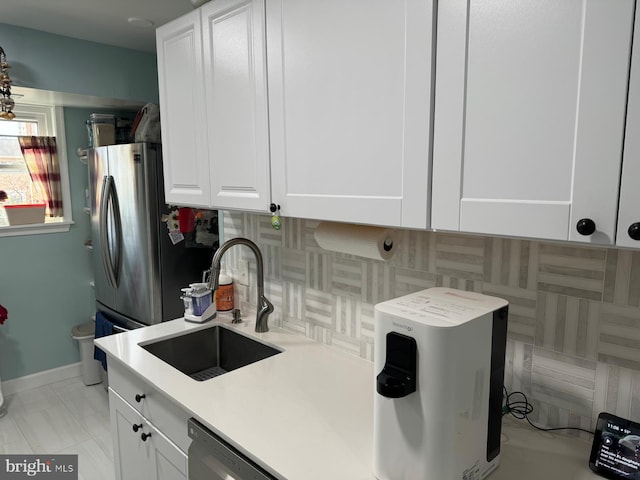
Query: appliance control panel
point(442, 306)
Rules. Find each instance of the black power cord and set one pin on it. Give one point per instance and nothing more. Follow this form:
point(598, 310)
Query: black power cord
point(517, 404)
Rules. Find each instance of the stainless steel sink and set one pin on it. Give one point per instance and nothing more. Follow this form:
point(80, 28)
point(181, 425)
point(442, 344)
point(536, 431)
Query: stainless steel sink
point(207, 353)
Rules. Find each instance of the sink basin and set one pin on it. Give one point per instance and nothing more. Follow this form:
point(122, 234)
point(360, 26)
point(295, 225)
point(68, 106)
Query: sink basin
point(207, 353)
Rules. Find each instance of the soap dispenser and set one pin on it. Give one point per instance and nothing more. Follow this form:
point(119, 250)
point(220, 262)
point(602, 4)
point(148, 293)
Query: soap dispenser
point(202, 306)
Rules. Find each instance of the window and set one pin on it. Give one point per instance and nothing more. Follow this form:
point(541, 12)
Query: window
point(15, 179)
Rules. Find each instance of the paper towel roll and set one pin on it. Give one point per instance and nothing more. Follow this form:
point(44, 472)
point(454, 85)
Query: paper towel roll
point(378, 243)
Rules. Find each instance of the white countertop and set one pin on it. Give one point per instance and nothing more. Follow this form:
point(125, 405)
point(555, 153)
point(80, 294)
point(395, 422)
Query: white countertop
point(529, 454)
point(307, 413)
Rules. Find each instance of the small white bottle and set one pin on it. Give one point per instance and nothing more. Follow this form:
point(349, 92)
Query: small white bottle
point(188, 302)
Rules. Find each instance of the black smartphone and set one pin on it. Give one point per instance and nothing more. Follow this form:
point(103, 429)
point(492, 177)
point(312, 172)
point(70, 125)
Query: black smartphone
point(615, 453)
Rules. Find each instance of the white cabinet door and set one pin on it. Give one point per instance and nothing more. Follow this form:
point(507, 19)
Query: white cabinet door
point(628, 234)
point(182, 111)
point(236, 101)
point(153, 405)
point(529, 116)
point(349, 102)
point(142, 452)
point(132, 457)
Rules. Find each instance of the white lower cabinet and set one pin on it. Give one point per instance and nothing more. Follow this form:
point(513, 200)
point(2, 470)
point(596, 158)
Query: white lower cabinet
point(141, 451)
point(149, 430)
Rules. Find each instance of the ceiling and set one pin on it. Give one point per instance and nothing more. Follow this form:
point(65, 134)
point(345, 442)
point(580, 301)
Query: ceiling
point(102, 21)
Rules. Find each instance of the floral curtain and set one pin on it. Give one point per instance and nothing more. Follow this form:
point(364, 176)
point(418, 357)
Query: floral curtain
point(41, 156)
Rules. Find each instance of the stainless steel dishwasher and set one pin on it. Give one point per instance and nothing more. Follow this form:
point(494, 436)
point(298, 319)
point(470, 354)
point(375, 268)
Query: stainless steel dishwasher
point(211, 458)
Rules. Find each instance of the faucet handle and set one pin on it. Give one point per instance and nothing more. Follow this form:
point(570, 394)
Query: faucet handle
point(265, 305)
point(264, 309)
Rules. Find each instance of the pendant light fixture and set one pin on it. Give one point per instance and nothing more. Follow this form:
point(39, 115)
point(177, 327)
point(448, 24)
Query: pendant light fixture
point(6, 102)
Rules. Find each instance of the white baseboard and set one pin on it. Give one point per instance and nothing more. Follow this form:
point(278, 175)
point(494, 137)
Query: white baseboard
point(41, 378)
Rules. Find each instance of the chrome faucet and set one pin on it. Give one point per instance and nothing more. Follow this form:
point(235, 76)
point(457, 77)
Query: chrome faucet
point(264, 307)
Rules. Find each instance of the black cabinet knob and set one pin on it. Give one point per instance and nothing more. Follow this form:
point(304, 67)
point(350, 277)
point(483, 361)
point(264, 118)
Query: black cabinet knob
point(144, 436)
point(137, 427)
point(634, 231)
point(139, 397)
point(273, 208)
point(586, 226)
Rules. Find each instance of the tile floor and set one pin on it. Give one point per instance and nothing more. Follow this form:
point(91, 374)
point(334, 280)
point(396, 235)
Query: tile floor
point(66, 417)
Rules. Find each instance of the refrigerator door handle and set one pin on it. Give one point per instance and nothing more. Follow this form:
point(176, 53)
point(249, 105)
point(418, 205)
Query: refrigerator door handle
point(104, 238)
point(110, 199)
point(115, 205)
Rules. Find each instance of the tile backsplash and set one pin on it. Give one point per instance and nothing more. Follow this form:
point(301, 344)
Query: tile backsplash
point(574, 311)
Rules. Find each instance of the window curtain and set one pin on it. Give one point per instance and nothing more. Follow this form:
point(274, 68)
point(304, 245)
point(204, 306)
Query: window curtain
point(41, 156)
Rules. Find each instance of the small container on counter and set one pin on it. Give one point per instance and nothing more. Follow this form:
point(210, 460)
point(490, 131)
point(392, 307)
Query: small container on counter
point(198, 303)
point(201, 298)
point(224, 294)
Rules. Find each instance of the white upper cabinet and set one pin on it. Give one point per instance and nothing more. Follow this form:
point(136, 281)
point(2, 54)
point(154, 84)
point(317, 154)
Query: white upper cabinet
point(236, 102)
point(349, 108)
point(529, 116)
point(339, 129)
point(629, 210)
point(182, 111)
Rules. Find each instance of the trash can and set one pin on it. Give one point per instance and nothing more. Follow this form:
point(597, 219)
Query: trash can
point(89, 368)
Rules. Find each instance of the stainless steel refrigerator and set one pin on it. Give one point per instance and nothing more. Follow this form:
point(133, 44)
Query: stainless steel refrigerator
point(137, 268)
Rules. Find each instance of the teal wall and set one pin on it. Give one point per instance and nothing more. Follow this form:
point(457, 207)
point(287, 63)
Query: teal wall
point(44, 279)
point(63, 64)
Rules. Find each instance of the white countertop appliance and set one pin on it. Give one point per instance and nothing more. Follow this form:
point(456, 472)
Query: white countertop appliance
point(439, 366)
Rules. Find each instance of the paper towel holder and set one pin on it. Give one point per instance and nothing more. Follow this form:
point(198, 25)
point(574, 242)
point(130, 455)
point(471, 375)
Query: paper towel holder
point(368, 241)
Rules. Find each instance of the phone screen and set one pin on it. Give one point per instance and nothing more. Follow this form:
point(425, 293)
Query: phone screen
point(615, 453)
